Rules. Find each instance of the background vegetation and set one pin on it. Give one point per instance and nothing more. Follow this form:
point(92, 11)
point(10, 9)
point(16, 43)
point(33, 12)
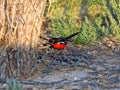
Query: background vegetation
point(94, 18)
point(22, 21)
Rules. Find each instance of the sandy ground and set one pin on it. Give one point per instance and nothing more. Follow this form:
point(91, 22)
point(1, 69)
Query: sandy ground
point(77, 68)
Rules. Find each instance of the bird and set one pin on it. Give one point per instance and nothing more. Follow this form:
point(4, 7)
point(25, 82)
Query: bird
point(60, 42)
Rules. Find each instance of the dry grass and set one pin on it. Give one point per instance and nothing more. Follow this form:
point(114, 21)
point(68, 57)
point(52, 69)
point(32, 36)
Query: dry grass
point(20, 27)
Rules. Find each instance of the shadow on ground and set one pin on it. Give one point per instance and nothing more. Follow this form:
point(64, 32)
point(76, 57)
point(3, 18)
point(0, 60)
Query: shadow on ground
point(77, 68)
point(80, 68)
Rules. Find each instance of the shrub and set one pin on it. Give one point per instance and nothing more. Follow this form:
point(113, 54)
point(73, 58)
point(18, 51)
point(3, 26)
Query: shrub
point(13, 84)
point(96, 19)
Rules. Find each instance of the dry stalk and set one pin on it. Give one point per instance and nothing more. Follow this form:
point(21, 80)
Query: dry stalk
point(21, 22)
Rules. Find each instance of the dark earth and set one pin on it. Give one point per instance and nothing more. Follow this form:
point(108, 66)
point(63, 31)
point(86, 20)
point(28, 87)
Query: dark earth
point(95, 67)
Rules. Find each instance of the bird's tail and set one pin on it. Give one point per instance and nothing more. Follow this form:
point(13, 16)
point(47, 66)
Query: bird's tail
point(72, 35)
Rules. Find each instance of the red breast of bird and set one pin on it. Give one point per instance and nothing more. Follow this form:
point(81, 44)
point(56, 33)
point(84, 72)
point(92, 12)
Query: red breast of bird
point(60, 45)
